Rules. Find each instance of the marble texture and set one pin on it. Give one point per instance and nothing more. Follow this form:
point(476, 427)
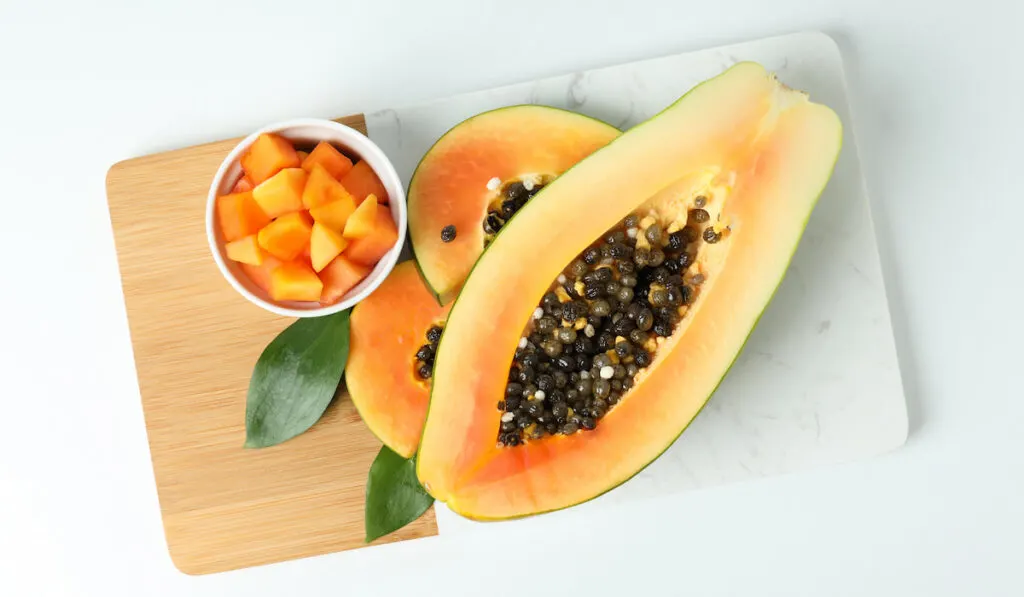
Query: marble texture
point(818, 382)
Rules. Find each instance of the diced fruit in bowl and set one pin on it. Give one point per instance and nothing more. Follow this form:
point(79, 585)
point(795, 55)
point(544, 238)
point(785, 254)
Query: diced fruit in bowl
point(329, 158)
point(239, 216)
point(322, 188)
point(281, 193)
point(362, 182)
point(369, 249)
point(286, 237)
point(360, 224)
point(324, 245)
point(269, 155)
point(246, 250)
point(296, 230)
point(341, 276)
point(295, 281)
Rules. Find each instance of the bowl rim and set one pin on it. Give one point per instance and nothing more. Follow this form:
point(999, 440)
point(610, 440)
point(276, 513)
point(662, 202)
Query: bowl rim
point(357, 143)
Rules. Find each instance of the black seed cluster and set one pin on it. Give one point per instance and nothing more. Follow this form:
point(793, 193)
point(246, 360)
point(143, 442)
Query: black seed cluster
point(593, 331)
point(513, 198)
point(425, 354)
point(448, 233)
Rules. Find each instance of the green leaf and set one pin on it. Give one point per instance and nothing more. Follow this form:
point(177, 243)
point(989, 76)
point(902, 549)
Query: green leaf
point(394, 496)
point(295, 379)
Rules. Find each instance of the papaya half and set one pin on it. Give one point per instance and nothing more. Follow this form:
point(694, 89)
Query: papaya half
point(392, 337)
point(391, 357)
point(601, 318)
point(474, 179)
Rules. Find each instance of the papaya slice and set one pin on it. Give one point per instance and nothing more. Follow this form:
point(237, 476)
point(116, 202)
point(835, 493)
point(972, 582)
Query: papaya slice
point(390, 358)
point(479, 173)
point(671, 241)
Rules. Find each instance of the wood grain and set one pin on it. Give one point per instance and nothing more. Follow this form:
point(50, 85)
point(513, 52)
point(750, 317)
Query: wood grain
point(196, 341)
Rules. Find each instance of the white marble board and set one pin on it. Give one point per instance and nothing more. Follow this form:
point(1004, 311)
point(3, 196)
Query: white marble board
point(818, 382)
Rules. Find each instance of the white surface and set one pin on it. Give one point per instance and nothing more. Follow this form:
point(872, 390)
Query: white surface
point(818, 382)
point(935, 90)
point(307, 130)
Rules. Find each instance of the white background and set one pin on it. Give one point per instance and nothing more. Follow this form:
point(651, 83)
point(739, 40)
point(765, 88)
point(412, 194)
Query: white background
point(937, 92)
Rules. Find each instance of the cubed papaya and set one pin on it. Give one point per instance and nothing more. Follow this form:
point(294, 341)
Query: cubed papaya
point(260, 274)
point(340, 276)
point(246, 250)
point(335, 214)
point(328, 156)
point(267, 156)
point(369, 249)
point(324, 245)
point(295, 281)
point(362, 181)
point(242, 185)
point(239, 216)
point(281, 193)
point(302, 157)
point(360, 224)
point(322, 188)
point(287, 236)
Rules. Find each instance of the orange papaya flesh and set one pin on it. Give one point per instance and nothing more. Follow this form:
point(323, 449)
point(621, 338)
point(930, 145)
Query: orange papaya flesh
point(239, 216)
point(382, 371)
point(321, 189)
point(329, 158)
point(267, 156)
point(286, 237)
point(245, 250)
point(362, 182)
point(361, 223)
point(452, 186)
point(295, 281)
point(756, 155)
point(369, 249)
point(339, 277)
point(324, 245)
point(281, 193)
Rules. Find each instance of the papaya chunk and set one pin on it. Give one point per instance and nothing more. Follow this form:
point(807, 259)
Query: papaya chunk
point(245, 250)
point(267, 156)
point(362, 182)
point(295, 281)
point(360, 224)
point(334, 215)
point(324, 245)
point(282, 192)
point(322, 188)
point(340, 276)
point(369, 249)
point(286, 237)
point(239, 216)
point(329, 158)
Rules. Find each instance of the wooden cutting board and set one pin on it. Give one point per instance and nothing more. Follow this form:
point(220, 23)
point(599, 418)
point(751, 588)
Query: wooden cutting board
point(196, 341)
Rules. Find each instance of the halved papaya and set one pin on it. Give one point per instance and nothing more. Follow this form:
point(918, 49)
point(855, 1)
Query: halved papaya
point(480, 173)
point(390, 357)
point(561, 376)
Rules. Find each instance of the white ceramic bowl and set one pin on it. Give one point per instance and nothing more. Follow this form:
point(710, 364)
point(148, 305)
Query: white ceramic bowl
point(307, 131)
